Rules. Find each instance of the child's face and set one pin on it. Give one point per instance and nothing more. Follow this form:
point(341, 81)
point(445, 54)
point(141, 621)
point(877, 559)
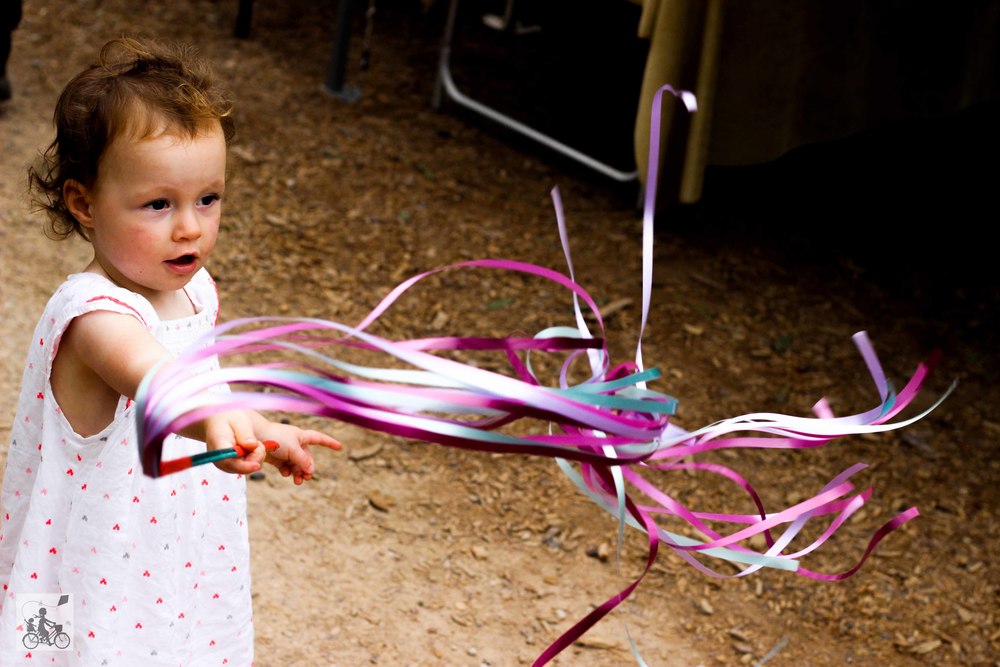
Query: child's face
point(155, 209)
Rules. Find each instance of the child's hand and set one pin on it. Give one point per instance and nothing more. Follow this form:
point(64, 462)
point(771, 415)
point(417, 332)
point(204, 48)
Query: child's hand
point(228, 429)
point(248, 429)
point(292, 457)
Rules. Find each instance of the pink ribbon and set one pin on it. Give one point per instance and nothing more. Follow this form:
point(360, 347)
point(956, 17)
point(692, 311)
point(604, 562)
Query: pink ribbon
point(612, 427)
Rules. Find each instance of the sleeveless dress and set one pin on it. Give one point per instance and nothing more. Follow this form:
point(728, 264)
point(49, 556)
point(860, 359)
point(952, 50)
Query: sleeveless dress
point(157, 570)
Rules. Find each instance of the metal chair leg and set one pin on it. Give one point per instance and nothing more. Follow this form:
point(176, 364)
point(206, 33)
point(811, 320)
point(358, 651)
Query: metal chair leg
point(445, 86)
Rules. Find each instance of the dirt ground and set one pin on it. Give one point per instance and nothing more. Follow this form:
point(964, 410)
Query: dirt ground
point(414, 554)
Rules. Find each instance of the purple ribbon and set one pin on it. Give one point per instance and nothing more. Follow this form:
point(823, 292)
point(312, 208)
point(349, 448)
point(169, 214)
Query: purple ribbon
point(611, 425)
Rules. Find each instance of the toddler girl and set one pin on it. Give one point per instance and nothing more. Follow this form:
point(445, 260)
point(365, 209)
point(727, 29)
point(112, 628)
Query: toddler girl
point(157, 570)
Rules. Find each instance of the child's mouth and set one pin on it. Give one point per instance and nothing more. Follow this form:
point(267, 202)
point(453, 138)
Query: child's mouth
point(184, 264)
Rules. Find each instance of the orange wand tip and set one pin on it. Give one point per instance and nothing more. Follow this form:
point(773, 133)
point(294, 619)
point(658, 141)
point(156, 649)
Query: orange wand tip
point(269, 445)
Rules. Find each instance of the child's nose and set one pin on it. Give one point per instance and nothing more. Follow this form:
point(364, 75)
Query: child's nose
point(187, 225)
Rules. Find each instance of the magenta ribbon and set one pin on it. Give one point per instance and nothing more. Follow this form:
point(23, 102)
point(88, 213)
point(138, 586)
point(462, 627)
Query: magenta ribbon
point(606, 433)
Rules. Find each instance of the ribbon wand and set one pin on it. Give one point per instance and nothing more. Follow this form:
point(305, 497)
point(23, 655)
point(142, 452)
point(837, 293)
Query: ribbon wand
point(185, 462)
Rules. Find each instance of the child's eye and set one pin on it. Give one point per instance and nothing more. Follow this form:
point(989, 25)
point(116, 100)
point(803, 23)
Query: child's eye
point(158, 204)
point(208, 200)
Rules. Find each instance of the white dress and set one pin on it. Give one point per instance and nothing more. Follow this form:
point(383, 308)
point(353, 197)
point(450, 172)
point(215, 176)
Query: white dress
point(157, 570)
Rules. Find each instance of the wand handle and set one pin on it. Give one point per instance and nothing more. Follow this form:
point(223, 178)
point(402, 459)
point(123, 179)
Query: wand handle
point(185, 462)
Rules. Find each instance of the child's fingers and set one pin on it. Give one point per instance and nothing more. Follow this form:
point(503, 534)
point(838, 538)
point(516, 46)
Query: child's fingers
point(294, 459)
point(238, 466)
point(298, 476)
point(319, 438)
point(291, 460)
point(303, 466)
point(251, 451)
point(260, 448)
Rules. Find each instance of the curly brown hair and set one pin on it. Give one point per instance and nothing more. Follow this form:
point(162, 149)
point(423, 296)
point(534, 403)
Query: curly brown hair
point(138, 88)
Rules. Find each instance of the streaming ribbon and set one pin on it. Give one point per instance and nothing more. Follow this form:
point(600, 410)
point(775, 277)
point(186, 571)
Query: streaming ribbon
point(605, 433)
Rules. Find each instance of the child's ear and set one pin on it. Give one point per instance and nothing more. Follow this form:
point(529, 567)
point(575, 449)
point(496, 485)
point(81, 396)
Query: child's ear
point(76, 196)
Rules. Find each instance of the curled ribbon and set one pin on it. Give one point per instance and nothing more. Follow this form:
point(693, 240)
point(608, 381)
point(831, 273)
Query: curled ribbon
point(606, 433)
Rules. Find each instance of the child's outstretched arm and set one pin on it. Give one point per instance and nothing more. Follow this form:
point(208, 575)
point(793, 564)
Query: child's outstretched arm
point(104, 355)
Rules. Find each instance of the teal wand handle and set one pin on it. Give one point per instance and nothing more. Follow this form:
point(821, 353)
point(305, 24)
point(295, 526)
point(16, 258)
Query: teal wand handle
point(183, 463)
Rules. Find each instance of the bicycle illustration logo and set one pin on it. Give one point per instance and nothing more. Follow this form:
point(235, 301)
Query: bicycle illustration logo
point(45, 617)
point(46, 632)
